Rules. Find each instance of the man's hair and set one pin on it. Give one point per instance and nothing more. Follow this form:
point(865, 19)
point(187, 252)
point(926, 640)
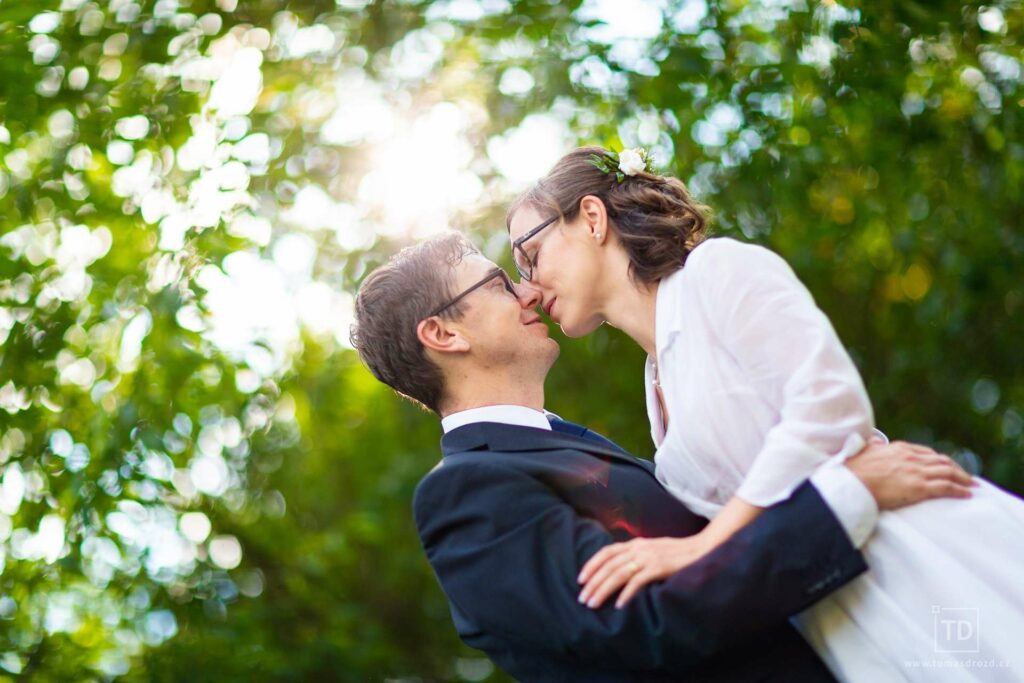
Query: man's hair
point(389, 306)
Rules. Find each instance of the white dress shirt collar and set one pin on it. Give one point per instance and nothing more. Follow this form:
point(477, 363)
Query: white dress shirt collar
point(504, 414)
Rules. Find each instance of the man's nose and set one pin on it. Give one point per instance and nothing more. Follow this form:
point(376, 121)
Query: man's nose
point(528, 293)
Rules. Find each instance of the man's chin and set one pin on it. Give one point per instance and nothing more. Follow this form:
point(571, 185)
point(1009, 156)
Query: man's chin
point(554, 350)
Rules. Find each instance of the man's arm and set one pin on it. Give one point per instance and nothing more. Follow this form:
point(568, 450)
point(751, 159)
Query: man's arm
point(507, 551)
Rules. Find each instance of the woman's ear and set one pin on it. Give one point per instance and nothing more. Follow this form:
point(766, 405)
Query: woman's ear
point(436, 335)
point(595, 217)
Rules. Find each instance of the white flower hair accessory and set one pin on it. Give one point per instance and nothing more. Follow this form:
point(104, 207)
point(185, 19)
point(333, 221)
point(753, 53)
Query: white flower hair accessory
point(628, 162)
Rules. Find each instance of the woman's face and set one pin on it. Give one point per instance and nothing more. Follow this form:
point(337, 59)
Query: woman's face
point(566, 271)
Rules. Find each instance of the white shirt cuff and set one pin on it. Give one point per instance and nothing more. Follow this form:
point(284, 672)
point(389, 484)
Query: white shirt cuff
point(849, 500)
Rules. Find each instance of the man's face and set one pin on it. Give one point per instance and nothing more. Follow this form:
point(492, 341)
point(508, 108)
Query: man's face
point(503, 329)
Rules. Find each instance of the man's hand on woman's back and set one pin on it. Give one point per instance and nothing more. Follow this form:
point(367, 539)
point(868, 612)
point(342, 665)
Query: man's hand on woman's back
point(899, 474)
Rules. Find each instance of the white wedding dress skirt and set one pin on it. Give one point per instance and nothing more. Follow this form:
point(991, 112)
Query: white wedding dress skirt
point(943, 599)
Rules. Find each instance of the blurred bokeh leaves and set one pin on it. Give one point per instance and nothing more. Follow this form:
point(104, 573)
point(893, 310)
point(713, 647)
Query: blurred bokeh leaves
point(199, 481)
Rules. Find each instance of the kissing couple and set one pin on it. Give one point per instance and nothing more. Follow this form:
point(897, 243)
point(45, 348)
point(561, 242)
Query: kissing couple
point(776, 537)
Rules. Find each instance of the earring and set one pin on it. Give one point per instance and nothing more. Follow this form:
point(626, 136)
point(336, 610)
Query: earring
point(597, 236)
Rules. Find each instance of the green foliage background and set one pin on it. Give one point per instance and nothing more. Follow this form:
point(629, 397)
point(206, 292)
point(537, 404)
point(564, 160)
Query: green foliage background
point(877, 146)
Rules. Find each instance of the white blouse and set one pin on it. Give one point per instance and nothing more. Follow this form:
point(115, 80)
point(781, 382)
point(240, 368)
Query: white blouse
point(758, 386)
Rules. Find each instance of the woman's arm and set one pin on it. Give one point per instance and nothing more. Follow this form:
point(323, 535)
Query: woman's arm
point(735, 515)
point(600, 576)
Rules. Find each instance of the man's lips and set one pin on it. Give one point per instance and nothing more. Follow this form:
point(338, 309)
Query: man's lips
point(534, 321)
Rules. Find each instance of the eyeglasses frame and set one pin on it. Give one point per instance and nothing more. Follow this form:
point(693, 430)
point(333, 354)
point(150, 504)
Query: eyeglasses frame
point(518, 246)
point(496, 272)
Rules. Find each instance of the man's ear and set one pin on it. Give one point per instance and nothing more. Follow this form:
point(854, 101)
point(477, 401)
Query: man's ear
point(595, 217)
point(435, 334)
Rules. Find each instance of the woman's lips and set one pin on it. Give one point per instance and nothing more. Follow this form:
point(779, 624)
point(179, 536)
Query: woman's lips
point(550, 307)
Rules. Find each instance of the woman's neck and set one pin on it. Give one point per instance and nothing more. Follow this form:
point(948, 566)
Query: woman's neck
point(630, 307)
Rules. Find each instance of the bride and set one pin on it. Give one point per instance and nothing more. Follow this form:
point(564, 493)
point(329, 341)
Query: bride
point(748, 391)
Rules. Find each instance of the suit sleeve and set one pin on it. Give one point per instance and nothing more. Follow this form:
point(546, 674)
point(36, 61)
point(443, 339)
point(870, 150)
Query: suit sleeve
point(507, 551)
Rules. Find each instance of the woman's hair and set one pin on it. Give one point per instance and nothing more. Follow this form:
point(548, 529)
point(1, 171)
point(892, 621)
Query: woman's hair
point(654, 217)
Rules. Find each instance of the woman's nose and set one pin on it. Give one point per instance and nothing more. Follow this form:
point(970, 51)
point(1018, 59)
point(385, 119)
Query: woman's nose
point(528, 294)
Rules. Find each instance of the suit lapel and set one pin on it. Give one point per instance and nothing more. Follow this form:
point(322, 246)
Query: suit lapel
point(505, 438)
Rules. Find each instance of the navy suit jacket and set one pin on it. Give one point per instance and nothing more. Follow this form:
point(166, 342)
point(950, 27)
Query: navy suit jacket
point(511, 514)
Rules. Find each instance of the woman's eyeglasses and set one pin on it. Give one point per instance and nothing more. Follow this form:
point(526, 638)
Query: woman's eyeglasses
point(524, 264)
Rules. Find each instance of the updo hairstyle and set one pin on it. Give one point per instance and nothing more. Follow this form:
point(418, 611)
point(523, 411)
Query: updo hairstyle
point(654, 217)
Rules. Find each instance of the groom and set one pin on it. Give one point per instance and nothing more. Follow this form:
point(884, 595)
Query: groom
point(521, 500)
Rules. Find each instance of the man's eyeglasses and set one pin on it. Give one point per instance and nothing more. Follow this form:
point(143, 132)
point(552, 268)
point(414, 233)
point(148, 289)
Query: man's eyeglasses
point(524, 264)
point(497, 272)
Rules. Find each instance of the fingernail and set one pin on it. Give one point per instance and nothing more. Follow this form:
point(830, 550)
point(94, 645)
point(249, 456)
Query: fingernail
point(593, 603)
point(582, 598)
